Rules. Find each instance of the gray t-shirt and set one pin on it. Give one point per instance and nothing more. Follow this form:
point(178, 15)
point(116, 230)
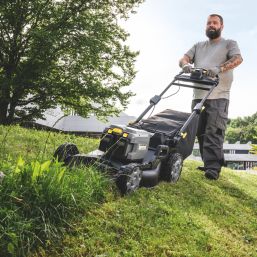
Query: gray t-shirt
point(207, 55)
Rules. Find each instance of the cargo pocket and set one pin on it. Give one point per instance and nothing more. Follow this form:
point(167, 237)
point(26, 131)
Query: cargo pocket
point(221, 120)
point(222, 114)
point(217, 119)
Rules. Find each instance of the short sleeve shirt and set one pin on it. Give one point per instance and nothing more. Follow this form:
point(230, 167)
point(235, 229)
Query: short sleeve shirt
point(207, 55)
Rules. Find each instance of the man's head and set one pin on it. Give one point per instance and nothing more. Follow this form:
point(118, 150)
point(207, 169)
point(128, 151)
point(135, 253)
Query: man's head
point(214, 26)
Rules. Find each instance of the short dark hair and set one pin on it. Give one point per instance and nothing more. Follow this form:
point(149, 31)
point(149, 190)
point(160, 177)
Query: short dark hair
point(220, 17)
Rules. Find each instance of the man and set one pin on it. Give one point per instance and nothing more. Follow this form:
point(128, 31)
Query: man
point(219, 56)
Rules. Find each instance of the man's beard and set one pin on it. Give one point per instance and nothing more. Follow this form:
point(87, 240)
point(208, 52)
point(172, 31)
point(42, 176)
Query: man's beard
point(213, 33)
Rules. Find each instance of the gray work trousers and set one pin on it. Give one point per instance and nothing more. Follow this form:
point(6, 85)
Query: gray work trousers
point(211, 132)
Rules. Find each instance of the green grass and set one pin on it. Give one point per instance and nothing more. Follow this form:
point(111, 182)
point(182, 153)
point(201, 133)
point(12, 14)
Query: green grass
point(39, 197)
point(32, 144)
point(194, 217)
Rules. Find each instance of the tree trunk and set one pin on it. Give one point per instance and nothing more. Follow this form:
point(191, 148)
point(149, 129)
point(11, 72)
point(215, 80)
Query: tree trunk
point(3, 111)
point(11, 111)
point(5, 92)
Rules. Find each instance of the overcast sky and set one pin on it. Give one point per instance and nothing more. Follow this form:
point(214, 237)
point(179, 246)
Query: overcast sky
point(163, 30)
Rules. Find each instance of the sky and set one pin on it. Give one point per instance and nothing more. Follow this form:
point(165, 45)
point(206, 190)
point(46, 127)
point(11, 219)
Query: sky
point(163, 30)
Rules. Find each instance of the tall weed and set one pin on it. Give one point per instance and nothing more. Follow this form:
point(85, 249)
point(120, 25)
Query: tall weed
point(37, 201)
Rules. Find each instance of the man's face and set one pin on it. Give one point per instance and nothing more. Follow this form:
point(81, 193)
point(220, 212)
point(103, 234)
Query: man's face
point(213, 27)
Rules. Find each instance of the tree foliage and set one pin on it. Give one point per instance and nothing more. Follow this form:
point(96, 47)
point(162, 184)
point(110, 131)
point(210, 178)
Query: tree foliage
point(242, 129)
point(70, 53)
point(254, 149)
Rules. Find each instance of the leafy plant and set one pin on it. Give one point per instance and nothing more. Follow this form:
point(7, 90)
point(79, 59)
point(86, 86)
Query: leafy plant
point(37, 200)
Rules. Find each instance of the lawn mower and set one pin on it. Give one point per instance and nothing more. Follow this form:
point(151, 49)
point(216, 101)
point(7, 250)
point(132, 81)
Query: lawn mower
point(147, 150)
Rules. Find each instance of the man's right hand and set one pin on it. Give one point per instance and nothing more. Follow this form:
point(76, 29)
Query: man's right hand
point(187, 68)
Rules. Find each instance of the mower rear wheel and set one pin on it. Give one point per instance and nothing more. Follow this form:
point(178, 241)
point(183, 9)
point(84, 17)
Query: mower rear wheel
point(171, 169)
point(130, 178)
point(65, 151)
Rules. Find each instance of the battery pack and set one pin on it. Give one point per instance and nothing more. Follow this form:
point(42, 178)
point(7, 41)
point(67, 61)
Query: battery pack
point(125, 143)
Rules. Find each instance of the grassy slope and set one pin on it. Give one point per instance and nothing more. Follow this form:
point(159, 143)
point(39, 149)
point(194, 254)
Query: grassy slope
point(194, 217)
point(38, 202)
point(32, 144)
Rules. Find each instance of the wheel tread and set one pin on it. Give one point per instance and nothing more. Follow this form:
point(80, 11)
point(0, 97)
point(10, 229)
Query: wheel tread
point(168, 165)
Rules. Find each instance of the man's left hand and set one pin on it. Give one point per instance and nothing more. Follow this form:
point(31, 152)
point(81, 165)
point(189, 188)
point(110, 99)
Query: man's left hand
point(213, 72)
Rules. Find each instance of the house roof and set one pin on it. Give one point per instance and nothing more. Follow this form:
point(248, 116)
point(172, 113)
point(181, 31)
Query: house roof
point(236, 146)
point(232, 157)
point(74, 123)
point(91, 124)
point(241, 157)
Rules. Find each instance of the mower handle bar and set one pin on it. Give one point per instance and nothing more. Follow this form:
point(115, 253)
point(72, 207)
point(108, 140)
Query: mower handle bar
point(180, 77)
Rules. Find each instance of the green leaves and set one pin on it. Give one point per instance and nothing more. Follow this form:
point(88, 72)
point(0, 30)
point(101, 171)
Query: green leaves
point(35, 170)
point(242, 129)
point(20, 165)
point(67, 53)
point(254, 149)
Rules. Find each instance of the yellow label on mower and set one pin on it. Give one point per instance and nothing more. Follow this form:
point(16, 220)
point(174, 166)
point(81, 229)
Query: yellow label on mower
point(184, 135)
point(117, 131)
point(125, 134)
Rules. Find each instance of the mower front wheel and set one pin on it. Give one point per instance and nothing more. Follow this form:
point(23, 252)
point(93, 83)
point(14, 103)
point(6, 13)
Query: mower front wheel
point(65, 151)
point(129, 179)
point(171, 168)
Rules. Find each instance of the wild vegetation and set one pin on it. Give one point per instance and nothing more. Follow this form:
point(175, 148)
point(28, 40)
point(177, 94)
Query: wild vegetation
point(242, 129)
point(254, 149)
point(48, 210)
point(39, 197)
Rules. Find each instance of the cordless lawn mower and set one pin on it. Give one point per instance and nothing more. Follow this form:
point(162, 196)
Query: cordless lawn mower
point(147, 150)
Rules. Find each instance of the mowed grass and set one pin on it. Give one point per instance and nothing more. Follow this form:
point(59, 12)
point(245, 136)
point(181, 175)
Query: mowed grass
point(194, 217)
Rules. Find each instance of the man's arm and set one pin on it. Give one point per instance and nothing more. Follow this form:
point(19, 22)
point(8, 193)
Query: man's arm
point(184, 60)
point(231, 63)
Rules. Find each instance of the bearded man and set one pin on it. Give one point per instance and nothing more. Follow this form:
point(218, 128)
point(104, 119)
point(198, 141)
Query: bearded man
point(218, 56)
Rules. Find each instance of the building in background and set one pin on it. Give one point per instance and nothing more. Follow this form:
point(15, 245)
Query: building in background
point(237, 156)
point(91, 126)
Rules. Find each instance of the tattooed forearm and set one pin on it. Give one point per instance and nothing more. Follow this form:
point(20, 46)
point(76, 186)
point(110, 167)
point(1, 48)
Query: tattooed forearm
point(231, 63)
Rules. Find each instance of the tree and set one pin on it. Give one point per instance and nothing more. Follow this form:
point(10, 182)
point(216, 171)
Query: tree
point(70, 53)
point(242, 129)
